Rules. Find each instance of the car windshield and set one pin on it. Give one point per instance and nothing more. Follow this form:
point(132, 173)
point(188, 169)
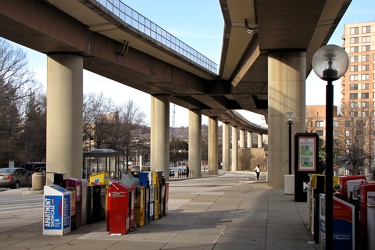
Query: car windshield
point(136, 168)
point(6, 170)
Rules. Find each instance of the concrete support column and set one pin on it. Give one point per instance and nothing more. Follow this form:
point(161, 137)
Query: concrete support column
point(226, 147)
point(234, 165)
point(260, 140)
point(212, 146)
point(160, 133)
point(242, 139)
point(195, 134)
point(249, 139)
point(286, 92)
point(64, 151)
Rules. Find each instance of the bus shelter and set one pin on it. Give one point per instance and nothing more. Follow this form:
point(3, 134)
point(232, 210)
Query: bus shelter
point(101, 160)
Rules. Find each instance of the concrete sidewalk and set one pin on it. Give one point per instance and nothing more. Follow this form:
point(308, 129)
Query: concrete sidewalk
point(230, 211)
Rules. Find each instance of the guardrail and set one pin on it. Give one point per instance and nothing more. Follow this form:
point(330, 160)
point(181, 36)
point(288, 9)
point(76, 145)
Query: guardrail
point(147, 27)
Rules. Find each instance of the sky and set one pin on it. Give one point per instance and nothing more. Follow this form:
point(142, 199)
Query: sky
point(200, 25)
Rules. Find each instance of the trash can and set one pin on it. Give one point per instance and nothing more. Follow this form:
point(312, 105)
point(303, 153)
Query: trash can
point(37, 181)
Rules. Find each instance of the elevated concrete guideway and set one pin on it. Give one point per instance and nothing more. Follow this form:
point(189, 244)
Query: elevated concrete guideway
point(119, 51)
point(266, 57)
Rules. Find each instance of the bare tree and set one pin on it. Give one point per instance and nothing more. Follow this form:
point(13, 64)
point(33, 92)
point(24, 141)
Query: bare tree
point(16, 84)
point(16, 81)
point(353, 139)
point(129, 134)
point(98, 117)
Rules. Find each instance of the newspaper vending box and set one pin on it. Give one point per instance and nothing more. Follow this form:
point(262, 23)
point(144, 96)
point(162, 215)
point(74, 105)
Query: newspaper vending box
point(56, 210)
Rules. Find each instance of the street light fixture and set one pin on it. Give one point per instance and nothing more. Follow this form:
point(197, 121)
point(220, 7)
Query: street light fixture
point(330, 62)
point(289, 120)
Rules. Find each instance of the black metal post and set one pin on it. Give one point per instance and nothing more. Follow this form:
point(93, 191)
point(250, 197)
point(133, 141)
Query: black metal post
point(290, 147)
point(329, 166)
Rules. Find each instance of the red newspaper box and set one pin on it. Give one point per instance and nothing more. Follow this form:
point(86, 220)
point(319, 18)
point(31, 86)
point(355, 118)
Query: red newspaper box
point(344, 179)
point(118, 209)
point(367, 191)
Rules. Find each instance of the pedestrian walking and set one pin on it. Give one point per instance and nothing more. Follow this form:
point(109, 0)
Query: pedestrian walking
point(257, 171)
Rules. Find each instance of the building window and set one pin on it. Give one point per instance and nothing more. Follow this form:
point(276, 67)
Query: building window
point(336, 124)
point(319, 132)
point(366, 39)
point(353, 114)
point(365, 48)
point(366, 29)
point(364, 113)
point(319, 124)
point(348, 133)
point(364, 95)
point(354, 49)
point(353, 105)
point(354, 40)
point(354, 59)
point(348, 124)
point(364, 105)
point(348, 142)
point(364, 86)
point(354, 30)
point(354, 68)
point(335, 133)
point(365, 77)
point(365, 58)
point(355, 86)
point(365, 67)
point(353, 95)
point(354, 78)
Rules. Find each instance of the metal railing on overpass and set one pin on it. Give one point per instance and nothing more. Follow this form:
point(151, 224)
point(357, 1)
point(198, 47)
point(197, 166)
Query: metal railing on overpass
point(144, 25)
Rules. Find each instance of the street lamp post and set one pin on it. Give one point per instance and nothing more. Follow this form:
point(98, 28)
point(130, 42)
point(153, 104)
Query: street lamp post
point(330, 63)
point(289, 120)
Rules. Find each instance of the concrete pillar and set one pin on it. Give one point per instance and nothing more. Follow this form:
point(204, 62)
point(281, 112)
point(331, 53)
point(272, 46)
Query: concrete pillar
point(226, 147)
point(242, 139)
point(64, 151)
point(212, 146)
point(249, 139)
point(160, 133)
point(286, 92)
point(195, 136)
point(260, 140)
point(234, 165)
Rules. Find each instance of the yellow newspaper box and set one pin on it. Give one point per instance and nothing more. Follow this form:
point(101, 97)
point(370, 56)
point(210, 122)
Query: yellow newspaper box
point(101, 178)
point(140, 207)
point(155, 177)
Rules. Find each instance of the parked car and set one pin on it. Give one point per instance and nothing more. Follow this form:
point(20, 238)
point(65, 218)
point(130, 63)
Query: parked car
point(14, 178)
point(173, 171)
point(34, 166)
point(135, 171)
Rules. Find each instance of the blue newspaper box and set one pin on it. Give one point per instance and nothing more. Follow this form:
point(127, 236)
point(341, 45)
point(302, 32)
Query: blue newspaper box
point(56, 210)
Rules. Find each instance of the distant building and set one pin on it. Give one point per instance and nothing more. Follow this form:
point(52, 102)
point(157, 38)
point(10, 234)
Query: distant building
point(316, 119)
point(354, 125)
